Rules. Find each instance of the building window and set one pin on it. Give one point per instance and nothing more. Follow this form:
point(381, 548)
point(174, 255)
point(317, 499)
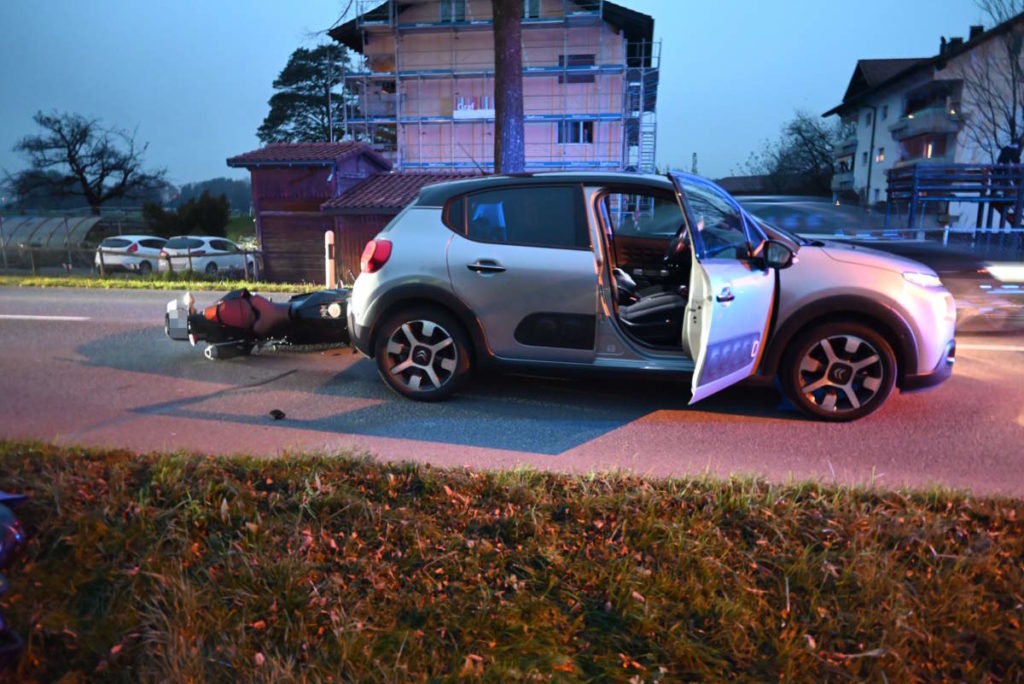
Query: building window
point(867, 119)
point(880, 157)
point(577, 61)
point(453, 10)
point(572, 132)
point(863, 157)
point(925, 146)
point(885, 112)
point(531, 9)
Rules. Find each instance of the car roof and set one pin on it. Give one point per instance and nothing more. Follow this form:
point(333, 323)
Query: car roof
point(438, 194)
point(134, 237)
point(200, 237)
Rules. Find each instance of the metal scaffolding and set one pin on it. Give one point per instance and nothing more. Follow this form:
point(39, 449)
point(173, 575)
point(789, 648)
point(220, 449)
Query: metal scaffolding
point(589, 98)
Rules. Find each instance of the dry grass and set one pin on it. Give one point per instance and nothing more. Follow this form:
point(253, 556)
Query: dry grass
point(312, 568)
point(173, 281)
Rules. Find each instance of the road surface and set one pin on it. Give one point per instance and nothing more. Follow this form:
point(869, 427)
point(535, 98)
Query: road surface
point(94, 367)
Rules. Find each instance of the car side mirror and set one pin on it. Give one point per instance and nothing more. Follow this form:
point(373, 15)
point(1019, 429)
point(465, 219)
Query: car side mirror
point(778, 255)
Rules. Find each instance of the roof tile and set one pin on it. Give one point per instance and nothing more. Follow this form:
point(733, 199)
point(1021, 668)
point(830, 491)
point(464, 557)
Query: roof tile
point(298, 153)
point(389, 190)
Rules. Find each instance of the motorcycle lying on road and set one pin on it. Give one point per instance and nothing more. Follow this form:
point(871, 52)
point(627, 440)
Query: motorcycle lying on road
point(12, 540)
point(242, 322)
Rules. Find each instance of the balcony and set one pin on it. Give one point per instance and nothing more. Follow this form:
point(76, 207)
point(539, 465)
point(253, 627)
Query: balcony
point(846, 146)
point(933, 120)
point(842, 182)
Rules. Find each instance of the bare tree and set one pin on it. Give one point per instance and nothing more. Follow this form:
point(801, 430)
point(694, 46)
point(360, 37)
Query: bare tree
point(75, 156)
point(993, 82)
point(803, 155)
point(509, 142)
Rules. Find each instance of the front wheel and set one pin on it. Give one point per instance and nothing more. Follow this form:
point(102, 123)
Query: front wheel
point(422, 354)
point(839, 371)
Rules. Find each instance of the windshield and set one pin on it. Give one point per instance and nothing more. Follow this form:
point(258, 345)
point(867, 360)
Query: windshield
point(776, 232)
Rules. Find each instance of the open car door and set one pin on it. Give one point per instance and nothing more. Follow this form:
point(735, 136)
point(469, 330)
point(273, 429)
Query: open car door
point(731, 292)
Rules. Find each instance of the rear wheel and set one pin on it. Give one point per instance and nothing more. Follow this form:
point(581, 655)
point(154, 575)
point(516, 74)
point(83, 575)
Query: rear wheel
point(422, 354)
point(211, 269)
point(145, 268)
point(839, 371)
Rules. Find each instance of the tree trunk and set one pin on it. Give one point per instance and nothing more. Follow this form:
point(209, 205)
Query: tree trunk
point(509, 144)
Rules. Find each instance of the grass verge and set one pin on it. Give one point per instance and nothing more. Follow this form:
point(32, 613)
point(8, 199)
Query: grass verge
point(152, 282)
point(190, 568)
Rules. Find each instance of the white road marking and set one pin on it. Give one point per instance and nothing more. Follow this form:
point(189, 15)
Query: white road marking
point(991, 347)
point(26, 317)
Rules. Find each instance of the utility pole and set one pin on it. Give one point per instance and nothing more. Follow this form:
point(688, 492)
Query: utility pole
point(693, 167)
point(330, 87)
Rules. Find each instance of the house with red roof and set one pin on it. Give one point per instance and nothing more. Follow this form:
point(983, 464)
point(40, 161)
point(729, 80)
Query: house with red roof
point(302, 190)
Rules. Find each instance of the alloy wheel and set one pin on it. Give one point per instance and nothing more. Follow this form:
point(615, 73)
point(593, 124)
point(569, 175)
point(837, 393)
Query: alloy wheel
point(421, 355)
point(841, 373)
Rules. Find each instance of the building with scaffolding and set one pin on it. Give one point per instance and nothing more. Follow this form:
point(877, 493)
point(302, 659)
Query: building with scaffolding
point(424, 93)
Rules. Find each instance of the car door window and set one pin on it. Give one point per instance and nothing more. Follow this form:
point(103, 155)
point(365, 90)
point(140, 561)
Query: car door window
point(152, 243)
point(547, 216)
point(643, 214)
point(721, 230)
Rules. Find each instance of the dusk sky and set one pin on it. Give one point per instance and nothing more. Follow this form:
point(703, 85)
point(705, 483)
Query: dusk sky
point(193, 77)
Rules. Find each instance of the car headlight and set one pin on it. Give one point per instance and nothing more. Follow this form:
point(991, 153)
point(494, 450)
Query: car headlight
point(922, 279)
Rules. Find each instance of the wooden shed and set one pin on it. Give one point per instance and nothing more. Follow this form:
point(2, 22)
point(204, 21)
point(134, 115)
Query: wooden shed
point(290, 182)
point(360, 212)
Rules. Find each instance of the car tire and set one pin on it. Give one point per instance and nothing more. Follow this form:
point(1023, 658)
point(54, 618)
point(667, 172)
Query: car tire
point(145, 268)
point(211, 268)
point(838, 372)
point(422, 353)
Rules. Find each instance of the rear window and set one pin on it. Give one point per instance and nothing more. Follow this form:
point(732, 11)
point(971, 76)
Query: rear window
point(183, 243)
point(543, 216)
point(115, 243)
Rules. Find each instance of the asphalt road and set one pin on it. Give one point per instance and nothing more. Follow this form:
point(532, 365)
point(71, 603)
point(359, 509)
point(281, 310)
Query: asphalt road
point(97, 369)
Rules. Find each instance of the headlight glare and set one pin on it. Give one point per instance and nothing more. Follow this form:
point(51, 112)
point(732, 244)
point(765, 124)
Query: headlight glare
point(922, 279)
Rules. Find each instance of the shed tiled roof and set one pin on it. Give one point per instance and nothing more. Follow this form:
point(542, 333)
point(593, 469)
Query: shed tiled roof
point(388, 191)
point(313, 154)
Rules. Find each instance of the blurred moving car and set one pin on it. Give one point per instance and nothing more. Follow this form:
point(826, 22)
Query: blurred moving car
point(138, 253)
point(205, 254)
point(984, 272)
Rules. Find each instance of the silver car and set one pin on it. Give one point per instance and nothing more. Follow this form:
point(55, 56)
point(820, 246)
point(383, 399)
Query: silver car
point(649, 274)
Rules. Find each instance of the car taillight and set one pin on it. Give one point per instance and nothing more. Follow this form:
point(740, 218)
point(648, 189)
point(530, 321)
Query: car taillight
point(134, 247)
point(163, 253)
point(375, 255)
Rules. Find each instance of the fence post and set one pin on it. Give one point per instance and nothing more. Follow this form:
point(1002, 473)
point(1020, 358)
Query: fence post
point(188, 251)
point(3, 242)
point(32, 258)
point(912, 208)
point(67, 243)
point(103, 266)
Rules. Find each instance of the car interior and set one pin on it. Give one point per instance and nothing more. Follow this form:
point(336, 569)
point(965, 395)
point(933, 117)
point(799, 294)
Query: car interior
point(650, 261)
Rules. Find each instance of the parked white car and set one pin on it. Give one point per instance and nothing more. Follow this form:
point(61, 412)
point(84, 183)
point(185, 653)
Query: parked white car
point(138, 253)
point(204, 254)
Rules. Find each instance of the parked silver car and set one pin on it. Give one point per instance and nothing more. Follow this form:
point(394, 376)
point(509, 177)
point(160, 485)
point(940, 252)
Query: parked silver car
point(620, 272)
point(138, 253)
point(204, 254)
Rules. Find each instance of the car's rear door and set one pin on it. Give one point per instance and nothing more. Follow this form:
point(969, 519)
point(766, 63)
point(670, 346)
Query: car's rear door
point(731, 292)
point(522, 261)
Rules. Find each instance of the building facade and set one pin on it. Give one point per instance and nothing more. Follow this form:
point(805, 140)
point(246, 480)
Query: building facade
point(928, 110)
point(424, 97)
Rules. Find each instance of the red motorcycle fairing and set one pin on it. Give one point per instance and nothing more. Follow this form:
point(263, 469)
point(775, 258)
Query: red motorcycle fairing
point(243, 310)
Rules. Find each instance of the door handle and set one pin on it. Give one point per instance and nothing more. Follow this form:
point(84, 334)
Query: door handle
point(486, 266)
point(725, 295)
